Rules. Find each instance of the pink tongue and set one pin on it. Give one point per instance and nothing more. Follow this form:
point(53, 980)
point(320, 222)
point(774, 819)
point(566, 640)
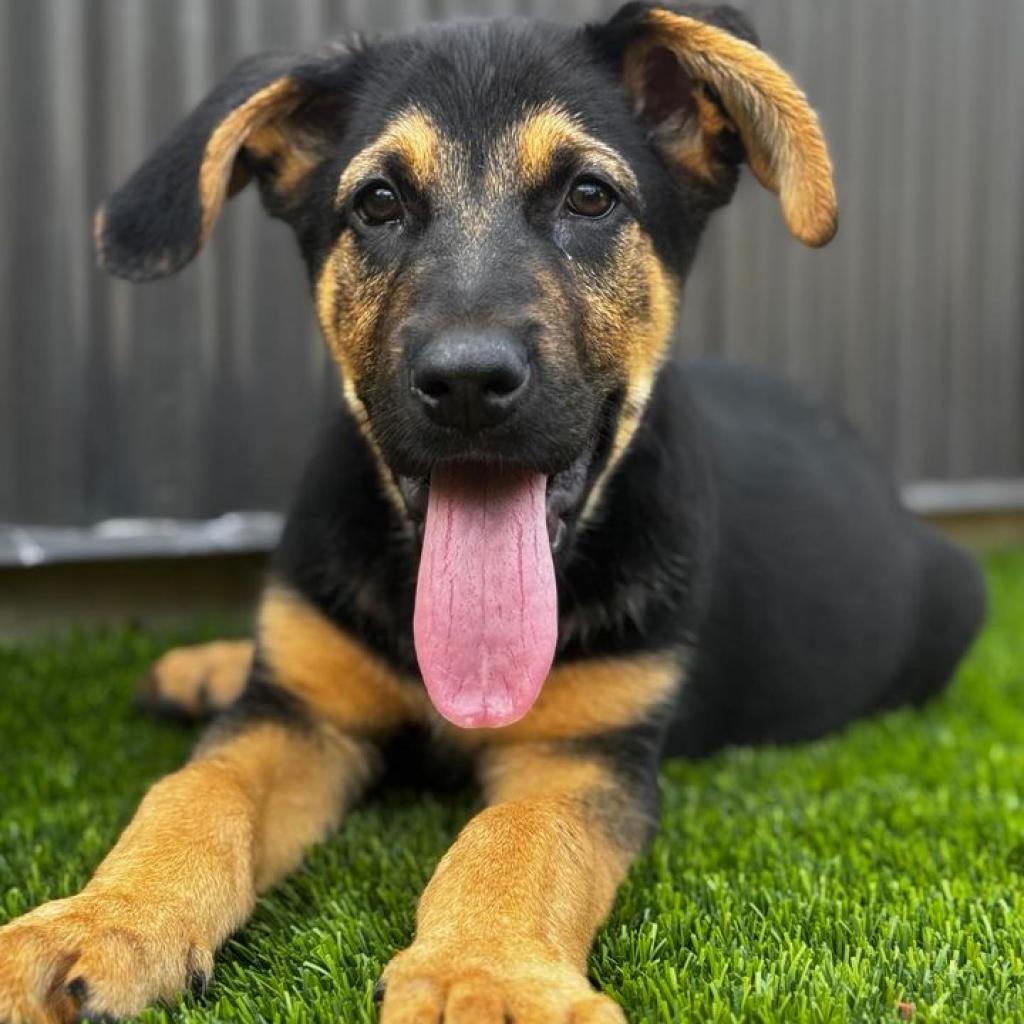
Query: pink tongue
point(486, 610)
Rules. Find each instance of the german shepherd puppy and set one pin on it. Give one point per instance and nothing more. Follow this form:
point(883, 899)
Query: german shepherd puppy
point(529, 544)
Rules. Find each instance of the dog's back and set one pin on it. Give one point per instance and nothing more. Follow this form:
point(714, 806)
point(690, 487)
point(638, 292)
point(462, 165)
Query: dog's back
point(828, 600)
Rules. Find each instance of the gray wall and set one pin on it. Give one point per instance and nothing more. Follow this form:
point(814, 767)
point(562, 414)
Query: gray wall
point(198, 395)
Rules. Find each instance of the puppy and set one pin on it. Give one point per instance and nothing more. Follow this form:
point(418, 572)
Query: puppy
point(530, 547)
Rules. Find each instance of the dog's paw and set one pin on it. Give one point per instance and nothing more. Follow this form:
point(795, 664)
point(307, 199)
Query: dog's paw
point(189, 683)
point(464, 984)
point(92, 958)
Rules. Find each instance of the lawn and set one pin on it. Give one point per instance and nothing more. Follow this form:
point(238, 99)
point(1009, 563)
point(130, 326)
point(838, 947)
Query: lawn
point(829, 882)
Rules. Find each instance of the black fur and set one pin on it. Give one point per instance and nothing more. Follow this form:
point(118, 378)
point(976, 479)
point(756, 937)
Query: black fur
point(631, 755)
point(263, 700)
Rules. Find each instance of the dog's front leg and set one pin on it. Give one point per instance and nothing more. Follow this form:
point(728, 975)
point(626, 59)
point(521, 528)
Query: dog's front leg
point(506, 923)
point(271, 778)
point(183, 876)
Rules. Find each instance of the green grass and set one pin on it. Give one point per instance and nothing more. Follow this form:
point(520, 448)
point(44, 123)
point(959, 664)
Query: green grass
point(821, 883)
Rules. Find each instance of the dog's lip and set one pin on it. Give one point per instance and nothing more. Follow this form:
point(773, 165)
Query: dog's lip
point(567, 487)
point(565, 491)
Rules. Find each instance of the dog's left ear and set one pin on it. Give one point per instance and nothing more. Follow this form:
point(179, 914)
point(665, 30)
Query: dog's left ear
point(712, 98)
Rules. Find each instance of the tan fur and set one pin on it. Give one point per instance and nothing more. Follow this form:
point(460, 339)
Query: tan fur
point(303, 784)
point(537, 139)
point(411, 137)
point(200, 679)
point(505, 925)
point(780, 131)
point(182, 877)
point(99, 230)
point(693, 146)
point(293, 153)
point(587, 698)
point(525, 769)
point(351, 300)
point(273, 101)
point(336, 677)
point(629, 315)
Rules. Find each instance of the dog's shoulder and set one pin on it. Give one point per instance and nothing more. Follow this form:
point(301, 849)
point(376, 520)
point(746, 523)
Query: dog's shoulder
point(641, 572)
point(345, 549)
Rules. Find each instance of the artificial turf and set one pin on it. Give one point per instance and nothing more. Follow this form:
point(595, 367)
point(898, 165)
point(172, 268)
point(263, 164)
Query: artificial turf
point(828, 882)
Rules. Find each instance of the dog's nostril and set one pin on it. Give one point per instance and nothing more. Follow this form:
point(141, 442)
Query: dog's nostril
point(434, 388)
point(504, 381)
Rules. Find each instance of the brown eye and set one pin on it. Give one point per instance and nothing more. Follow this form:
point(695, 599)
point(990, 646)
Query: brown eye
point(589, 197)
point(378, 203)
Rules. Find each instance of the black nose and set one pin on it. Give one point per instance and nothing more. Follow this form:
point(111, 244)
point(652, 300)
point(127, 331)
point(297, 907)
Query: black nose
point(470, 379)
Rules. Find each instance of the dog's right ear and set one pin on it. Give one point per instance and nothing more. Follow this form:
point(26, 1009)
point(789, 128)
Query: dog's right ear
point(273, 115)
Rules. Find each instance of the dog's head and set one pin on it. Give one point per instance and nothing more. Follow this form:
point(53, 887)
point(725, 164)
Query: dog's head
point(497, 219)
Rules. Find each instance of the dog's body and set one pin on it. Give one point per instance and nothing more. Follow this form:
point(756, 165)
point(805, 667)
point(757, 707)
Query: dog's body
point(745, 531)
point(497, 221)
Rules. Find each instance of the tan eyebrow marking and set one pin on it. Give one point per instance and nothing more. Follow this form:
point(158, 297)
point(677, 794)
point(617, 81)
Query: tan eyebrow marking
point(551, 128)
point(277, 99)
point(412, 137)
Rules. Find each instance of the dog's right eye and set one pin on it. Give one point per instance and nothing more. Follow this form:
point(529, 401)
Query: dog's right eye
point(378, 203)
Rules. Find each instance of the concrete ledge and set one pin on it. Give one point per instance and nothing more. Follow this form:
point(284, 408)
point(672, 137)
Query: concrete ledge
point(124, 539)
point(943, 497)
point(982, 515)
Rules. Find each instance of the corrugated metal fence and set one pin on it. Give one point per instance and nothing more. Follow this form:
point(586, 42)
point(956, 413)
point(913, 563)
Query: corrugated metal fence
point(198, 395)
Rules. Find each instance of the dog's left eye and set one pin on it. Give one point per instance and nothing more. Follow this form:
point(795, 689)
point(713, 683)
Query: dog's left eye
point(378, 203)
point(589, 197)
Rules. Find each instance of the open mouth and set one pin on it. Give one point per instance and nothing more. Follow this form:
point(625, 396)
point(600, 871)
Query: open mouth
point(486, 616)
point(565, 490)
point(563, 497)
point(485, 623)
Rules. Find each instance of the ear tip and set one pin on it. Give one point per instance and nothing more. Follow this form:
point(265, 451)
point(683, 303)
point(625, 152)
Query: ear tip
point(811, 212)
point(631, 9)
point(116, 254)
point(99, 234)
point(819, 231)
point(830, 231)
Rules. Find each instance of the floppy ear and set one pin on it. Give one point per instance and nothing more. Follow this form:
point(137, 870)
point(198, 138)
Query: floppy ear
point(712, 98)
point(256, 121)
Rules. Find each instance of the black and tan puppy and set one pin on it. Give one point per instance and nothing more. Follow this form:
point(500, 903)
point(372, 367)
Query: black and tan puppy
point(528, 545)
